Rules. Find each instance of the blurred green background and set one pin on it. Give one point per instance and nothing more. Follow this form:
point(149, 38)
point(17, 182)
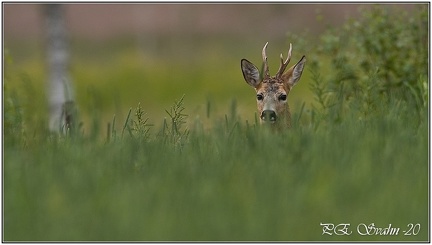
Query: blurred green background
point(125, 54)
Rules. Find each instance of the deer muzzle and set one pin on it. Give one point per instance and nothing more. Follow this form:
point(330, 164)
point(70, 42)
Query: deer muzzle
point(268, 116)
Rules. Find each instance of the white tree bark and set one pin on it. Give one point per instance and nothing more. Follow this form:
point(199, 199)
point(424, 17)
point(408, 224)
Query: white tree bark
point(61, 105)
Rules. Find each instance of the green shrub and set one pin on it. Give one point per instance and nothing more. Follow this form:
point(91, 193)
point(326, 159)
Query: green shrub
point(368, 62)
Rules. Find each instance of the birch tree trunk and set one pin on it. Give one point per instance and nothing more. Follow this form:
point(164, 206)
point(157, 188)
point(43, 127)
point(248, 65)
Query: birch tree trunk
point(61, 103)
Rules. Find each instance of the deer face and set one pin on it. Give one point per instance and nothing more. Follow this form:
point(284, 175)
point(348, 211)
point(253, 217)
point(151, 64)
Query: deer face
point(272, 91)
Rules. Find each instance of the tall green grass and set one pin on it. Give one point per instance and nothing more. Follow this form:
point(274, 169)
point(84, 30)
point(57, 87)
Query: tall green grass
point(236, 182)
point(359, 155)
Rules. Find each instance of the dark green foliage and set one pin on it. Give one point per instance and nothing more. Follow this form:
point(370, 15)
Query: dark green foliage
point(371, 60)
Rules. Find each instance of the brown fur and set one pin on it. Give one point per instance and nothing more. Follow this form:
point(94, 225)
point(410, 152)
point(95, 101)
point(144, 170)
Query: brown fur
point(272, 91)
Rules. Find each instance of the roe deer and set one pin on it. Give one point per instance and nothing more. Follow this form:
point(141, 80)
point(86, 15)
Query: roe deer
point(272, 91)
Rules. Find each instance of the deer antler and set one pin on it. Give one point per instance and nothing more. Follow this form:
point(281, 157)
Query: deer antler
point(283, 64)
point(266, 68)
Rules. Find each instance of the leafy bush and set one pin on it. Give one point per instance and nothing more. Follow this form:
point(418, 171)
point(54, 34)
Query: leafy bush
point(372, 61)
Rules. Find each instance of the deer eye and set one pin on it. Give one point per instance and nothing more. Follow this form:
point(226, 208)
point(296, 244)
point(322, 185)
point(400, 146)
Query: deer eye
point(260, 97)
point(283, 97)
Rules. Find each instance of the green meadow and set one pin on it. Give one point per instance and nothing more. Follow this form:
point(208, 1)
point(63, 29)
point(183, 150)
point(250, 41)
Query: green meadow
point(168, 147)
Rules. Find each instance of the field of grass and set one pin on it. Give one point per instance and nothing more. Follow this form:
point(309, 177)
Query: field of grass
point(357, 155)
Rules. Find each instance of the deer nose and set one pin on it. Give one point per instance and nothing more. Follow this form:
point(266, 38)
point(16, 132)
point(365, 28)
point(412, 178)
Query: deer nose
point(268, 115)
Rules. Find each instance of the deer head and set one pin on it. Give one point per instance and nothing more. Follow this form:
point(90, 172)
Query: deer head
point(272, 91)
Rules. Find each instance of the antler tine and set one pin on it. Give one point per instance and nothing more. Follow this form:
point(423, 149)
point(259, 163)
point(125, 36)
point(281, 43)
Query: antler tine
point(264, 56)
point(283, 64)
point(289, 55)
point(281, 67)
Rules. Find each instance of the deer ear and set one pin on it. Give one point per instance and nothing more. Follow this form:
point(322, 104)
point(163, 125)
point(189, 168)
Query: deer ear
point(250, 73)
point(292, 76)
